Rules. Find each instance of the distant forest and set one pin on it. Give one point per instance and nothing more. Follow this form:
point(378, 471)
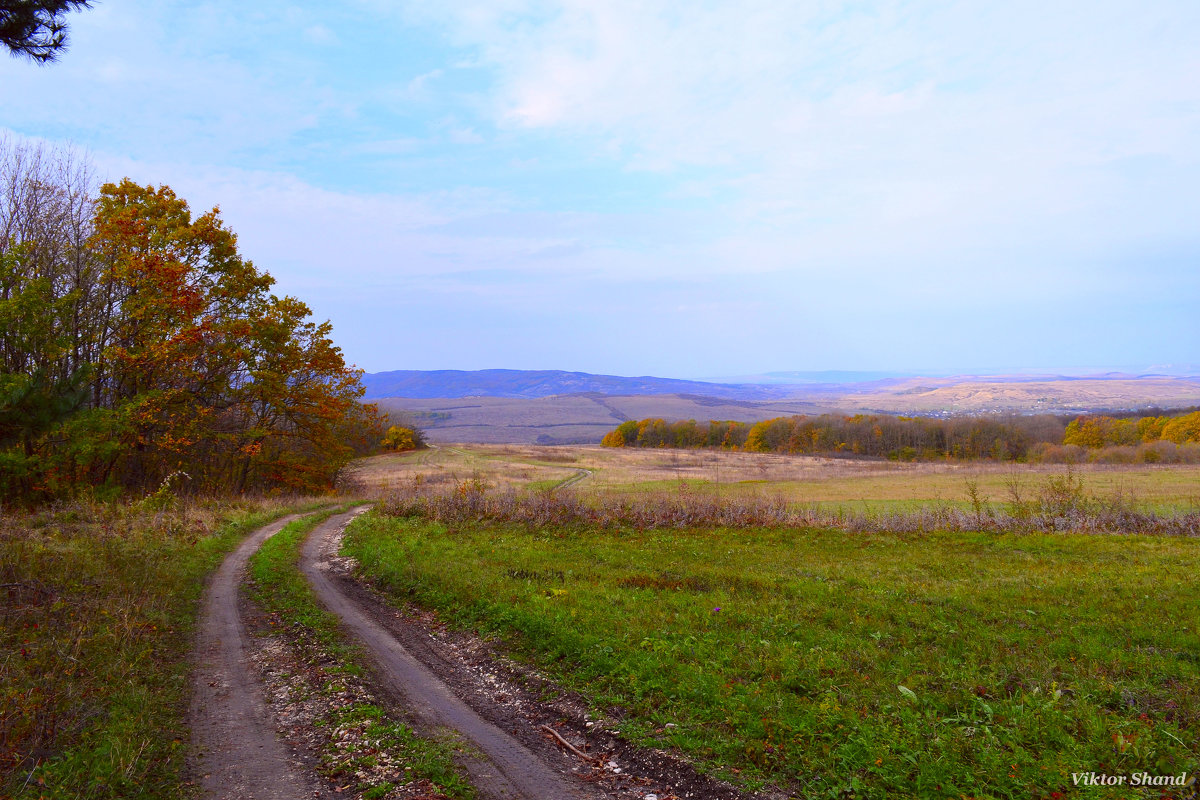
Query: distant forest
point(1166, 438)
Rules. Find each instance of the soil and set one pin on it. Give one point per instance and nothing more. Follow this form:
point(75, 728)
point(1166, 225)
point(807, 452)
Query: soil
point(309, 694)
point(236, 753)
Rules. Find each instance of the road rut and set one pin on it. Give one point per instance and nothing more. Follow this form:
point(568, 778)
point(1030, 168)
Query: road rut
point(504, 769)
point(239, 755)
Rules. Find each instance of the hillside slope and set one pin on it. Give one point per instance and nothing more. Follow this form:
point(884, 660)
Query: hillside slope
point(568, 419)
point(545, 383)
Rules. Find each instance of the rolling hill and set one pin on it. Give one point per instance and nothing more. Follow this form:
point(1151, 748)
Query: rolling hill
point(558, 407)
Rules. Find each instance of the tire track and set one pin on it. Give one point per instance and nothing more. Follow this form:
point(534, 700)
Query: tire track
point(236, 750)
point(580, 474)
point(503, 769)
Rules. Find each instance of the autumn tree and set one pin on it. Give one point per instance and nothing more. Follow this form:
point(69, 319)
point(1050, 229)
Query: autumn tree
point(1182, 429)
point(400, 439)
point(905, 438)
point(150, 345)
point(614, 438)
point(625, 434)
point(294, 408)
point(207, 367)
point(1150, 429)
point(178, 344)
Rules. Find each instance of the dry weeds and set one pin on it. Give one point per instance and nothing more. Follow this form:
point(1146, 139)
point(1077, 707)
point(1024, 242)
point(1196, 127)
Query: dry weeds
point(798, 479)
point(1057, 504)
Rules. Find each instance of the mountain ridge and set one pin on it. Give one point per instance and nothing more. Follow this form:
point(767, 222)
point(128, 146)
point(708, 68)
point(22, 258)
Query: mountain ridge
point(534, 384)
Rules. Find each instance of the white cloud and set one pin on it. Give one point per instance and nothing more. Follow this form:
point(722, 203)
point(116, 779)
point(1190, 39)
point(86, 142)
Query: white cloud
point(321, 35)
point(917, 121)
point(461, 135)
point(762, 163)
point(419, 87)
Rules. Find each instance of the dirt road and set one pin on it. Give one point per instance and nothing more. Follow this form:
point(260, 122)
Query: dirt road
point(501, 767)
point(239, 756)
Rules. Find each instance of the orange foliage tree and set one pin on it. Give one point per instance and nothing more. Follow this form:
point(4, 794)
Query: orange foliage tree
point(210, 371)
point(196, 365)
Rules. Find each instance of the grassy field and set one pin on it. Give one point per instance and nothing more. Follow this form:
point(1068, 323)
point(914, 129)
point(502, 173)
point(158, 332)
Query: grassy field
point(834, 664)
point(96, 624)
point(854, 484)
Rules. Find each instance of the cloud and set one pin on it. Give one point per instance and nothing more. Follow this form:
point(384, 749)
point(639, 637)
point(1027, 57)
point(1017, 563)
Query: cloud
point(632, 175)
point(320, 35)
point(703, 81)
point(923, 122)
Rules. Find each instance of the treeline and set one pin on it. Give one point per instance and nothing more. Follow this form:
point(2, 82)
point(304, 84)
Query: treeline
point(901, 438)
point(687, 434)
point(1103, 431)
point(1034, 438)
point(137, 346)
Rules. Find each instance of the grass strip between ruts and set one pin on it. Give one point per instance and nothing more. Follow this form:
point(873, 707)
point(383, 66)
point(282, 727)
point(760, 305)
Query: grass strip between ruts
point(278, 587)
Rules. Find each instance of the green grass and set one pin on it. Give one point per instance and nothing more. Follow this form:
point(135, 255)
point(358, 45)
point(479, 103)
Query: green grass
point(836, 664)
point(279, 587)
point(97, 622)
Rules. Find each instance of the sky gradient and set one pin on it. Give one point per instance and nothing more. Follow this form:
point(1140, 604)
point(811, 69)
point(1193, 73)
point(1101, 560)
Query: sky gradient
point(668, 188)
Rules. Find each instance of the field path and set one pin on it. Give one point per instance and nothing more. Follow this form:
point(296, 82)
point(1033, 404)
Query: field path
point(580, 474)
point(239, 755)
point(503, 767)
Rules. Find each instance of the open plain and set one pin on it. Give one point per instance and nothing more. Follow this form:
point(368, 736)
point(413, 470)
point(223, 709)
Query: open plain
point(869, 483)
point(934, 652)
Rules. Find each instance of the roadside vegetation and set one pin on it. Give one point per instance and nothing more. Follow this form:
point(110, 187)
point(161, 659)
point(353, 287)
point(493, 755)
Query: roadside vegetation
point(98, 603)
point(989, 660)
point(363, 746)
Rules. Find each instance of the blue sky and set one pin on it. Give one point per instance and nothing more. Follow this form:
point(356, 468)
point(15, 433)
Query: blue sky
point(681, 189)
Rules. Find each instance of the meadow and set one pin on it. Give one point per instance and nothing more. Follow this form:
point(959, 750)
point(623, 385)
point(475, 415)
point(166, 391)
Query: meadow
point(852, 484)
point(815, 661)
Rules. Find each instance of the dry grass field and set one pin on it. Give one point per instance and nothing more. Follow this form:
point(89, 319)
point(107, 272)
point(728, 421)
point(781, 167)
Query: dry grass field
point(799, 479)
point(923, 395)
